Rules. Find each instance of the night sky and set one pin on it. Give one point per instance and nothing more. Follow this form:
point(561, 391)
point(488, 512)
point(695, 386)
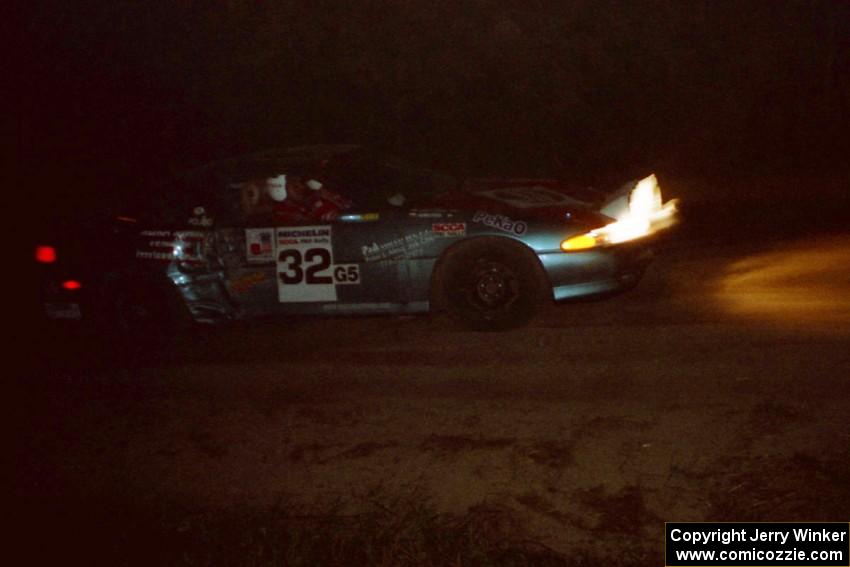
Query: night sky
point(115, 94)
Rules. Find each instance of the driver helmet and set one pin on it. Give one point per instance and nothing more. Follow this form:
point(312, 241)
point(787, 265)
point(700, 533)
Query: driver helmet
point(276, 187)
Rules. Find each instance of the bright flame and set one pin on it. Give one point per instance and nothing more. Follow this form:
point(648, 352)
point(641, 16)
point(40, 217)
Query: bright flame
point(646, 214)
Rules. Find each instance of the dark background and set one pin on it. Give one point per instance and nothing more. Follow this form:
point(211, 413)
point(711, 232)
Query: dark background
point(114, 94)
point(665, 394)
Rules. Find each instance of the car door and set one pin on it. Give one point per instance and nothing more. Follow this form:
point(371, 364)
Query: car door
point(349, 265)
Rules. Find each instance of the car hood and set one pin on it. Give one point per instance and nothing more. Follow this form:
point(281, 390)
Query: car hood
point(528, 199)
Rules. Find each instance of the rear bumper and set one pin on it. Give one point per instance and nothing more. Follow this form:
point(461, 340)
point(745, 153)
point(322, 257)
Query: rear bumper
point(62, 310)
point(582, 274)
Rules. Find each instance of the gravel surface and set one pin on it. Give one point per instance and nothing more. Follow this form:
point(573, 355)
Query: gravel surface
point(716, 390)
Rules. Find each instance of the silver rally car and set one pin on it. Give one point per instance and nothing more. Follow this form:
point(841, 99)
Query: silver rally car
point(343, 230)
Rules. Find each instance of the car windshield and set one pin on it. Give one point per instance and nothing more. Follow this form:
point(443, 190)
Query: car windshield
point(371, 178)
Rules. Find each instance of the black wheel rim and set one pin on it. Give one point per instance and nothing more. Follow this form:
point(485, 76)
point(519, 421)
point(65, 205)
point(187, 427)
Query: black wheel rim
point(495, 287)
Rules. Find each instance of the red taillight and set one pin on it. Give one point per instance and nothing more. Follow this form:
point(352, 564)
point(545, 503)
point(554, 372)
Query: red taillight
point(71, 285)
point(45, 254)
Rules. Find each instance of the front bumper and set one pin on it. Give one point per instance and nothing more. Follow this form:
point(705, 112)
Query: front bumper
point(594, 272)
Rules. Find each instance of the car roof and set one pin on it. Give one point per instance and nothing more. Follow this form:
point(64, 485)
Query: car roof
point(291, 157)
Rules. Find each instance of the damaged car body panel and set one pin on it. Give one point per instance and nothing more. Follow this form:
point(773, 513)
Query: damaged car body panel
point(339, 229)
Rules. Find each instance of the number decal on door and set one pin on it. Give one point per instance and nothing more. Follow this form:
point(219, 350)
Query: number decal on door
point(347, 274)
point(289, 266)
point(295, 268)
point(323, 262)
point(305, 267)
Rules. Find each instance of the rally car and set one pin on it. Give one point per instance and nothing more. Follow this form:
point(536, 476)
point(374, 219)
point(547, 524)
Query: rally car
point(385, 237)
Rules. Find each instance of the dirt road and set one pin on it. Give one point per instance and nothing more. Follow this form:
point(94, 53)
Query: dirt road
point(716, 390)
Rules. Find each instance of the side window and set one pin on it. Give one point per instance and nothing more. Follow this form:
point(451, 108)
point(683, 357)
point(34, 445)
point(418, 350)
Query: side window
point(280, 195)
point(241, 202)
point(251, 201)
point(293, 198)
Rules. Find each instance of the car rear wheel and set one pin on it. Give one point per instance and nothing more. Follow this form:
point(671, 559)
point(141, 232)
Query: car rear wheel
point(491, 284)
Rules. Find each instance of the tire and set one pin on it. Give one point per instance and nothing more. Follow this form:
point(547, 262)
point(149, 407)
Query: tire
point(490, 284)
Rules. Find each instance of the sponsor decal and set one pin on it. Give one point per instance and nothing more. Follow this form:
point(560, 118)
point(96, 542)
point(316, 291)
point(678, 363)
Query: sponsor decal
point(501, 222)
point(305, 268)
point(529, 197)
point(431, 213)
point(201, 221)
point(305, 233)
point(200, 218)
point(397, 248)
point(166, 246)
point(449, 228)
point(190, 235)
point(259, 245)
point(161, 256)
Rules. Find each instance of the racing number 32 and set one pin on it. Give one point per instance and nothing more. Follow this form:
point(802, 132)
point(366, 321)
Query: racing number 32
point(296, 268)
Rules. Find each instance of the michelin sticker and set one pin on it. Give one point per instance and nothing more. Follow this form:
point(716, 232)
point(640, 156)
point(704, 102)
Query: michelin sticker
point(305, 268)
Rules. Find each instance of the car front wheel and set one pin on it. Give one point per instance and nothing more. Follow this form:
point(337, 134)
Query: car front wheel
point(491, 284)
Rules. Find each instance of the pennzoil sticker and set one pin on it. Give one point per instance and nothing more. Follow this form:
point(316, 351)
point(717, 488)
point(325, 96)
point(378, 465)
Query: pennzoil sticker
point(305, 268)
point(501, 222)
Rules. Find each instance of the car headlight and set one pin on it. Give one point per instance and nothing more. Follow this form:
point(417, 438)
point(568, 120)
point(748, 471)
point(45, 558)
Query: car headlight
point(581, 242)
point(645, 215)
